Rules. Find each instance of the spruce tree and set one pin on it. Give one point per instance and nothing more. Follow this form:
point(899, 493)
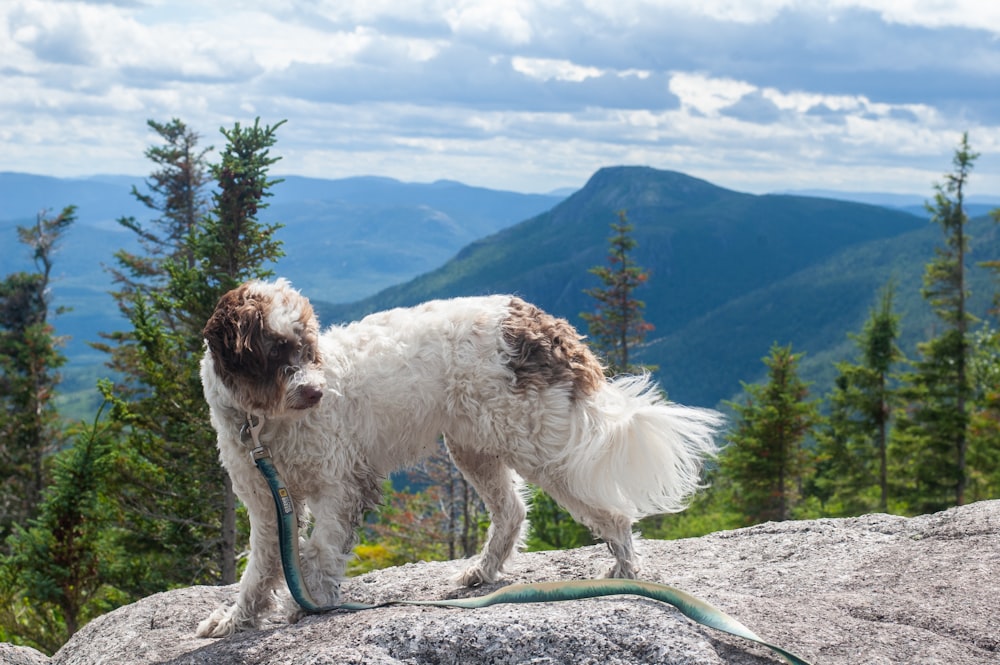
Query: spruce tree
point(176, 195)
point(29, 360)
point(62, 566)
point(934, 434)
point(766, 461)
point(616, 325)
point(853, 447)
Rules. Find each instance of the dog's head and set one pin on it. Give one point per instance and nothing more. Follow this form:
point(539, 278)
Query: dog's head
point(263, 342)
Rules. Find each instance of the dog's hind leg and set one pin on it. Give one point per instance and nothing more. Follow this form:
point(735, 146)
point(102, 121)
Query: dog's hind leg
point(612, 527)
point(499, 488)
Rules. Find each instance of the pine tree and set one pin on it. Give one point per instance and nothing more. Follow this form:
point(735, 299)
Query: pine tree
point(62, 564)
point(766, 460)
point(232, 246)
point(176, 194)
point(854, 444)
point(934, 433)
point(180, 499)
point(29, 360)
point(617, 326)
point(176, 191)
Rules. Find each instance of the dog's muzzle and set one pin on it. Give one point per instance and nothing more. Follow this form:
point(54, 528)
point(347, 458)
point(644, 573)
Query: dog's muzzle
point(305, 397)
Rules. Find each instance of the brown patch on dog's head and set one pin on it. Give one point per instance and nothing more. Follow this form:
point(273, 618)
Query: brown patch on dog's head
point(234, 331)
point(545, 351)
point(260, 336)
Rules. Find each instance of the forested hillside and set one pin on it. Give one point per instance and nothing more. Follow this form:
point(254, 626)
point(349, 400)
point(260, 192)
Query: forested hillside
point(730, 272)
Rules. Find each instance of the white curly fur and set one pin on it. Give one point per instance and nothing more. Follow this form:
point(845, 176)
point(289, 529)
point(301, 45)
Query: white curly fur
point(345, 408)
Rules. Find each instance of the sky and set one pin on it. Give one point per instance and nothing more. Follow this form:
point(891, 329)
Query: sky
point(529, 96)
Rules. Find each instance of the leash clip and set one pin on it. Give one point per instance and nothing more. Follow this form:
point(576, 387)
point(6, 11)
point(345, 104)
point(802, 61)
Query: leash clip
point(251, 430)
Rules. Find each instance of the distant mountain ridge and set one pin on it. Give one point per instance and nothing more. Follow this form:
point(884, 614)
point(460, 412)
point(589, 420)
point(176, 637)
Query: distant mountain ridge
point(730, 272)
point(975, 205)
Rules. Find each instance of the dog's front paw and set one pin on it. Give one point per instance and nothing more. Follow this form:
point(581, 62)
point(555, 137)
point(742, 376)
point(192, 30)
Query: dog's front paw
point(223, 622)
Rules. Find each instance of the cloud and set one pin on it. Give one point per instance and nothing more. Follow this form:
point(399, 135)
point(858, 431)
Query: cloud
point(461, 76)
point(52, 38)
point(527, 94)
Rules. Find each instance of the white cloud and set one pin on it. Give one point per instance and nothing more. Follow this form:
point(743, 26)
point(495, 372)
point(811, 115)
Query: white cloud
point(706, 94)
point(505, 20)
point(546, 69)
point(972, 14)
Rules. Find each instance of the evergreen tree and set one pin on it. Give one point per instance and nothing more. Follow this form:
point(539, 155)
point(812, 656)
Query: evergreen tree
point(232, 246)
point(854, 445)
point(176, 191)
point(984, 417)
point(61, 567)
point(617, 326)
point(176, 194)
point(179, 498)
point(29, 358)
point(934, 434)
point(766, 460)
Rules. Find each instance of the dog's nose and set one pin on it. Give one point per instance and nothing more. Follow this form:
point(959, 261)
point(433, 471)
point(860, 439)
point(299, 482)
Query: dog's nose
point(309, 396)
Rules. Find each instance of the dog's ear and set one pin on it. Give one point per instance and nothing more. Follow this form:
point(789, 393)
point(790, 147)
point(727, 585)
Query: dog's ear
point(235, 332)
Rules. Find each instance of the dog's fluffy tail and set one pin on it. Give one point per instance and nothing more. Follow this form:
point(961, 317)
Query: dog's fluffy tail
point(641, 454)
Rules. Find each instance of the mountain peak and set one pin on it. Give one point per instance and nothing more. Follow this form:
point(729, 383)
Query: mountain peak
point(623, 186)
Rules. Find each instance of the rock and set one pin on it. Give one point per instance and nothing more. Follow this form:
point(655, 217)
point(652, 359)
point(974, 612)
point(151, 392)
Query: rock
point(873, 589)
point(15, 655)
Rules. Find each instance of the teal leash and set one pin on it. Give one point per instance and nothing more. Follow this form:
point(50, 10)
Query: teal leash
point(690, 606)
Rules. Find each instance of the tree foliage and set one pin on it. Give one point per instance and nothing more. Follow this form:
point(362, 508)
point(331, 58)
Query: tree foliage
point(435, 515)
point(934, 433)
point(767, 461)
point(176, 195)
point(63, 565)
point(29, 360)
point(616, 325)
point(853, 469)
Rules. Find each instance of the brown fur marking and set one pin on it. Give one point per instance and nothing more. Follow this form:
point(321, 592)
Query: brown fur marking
point(545, 351)
point(246, 352)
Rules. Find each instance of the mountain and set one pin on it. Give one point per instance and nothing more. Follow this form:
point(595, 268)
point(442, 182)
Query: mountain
point(352, 237)
point(730, 272)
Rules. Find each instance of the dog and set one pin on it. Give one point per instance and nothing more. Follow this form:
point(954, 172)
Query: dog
point(515, 392)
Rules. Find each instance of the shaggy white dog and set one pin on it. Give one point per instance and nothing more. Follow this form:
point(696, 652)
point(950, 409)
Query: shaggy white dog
point(515, 392)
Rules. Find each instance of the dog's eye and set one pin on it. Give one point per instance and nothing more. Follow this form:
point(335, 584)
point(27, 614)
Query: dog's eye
point(277, 349)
